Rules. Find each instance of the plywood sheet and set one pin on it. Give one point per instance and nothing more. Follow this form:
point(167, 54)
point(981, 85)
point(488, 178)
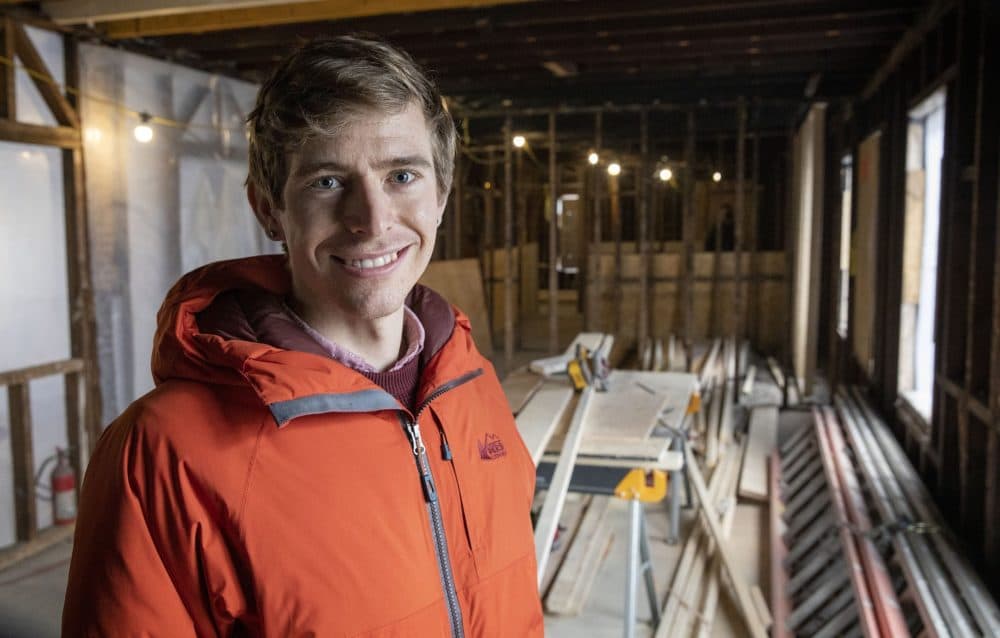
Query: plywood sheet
point(460, 282)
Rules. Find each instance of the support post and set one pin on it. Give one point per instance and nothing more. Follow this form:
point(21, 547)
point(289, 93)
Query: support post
point(508, 226)
point(739, 211)
point(22, 457)
point(595, 302)
point(642, 196)
point(553, 237)
point(687, 299)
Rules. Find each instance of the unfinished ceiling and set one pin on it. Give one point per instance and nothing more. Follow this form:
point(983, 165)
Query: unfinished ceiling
point(568, 52)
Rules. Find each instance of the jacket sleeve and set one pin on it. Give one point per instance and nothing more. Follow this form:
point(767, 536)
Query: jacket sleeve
point(144, 560)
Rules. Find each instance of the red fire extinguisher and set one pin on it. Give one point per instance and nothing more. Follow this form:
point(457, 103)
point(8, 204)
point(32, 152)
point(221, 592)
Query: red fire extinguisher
point(63, 490)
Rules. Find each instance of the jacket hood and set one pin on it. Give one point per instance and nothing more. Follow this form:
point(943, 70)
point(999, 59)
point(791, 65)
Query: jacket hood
point(181, 350)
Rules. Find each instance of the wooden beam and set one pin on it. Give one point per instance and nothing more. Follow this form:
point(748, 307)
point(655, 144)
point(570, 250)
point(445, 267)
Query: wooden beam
point(288, 13)
point(686, 305)
point(545, 528)
point(595, 301)
point(93, 11)
point(508, 239)
point(24, 375)
point(8, 81)
point(22, 455)
point(740, 589)
point(642, 201)
point(21, 133)
point(39, 73)
point(553, 240)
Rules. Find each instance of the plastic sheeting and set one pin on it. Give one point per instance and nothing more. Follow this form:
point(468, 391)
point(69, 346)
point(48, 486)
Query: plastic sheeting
point(34, 322)
point(161, 208)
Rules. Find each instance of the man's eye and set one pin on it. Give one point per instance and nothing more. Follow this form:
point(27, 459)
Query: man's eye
point(402, 177)
point(326, 182)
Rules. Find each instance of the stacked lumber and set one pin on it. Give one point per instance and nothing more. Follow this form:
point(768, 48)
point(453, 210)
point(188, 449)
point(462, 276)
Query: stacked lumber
point(853, 565)
point(707, 562)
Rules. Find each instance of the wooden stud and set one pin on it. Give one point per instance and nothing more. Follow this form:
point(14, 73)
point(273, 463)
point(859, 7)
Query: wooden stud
point(19, 404)
point(616, 231)
point(40, 75)
point(21, 133)
point(508, 225)
point(642, 197)
point(595, 301)
point(687, 299)
point(8, 79)
point(739, 211)
point(553, 243)
point(83, 314)
point(521, 224)
point(455, 221)
point(489, 234)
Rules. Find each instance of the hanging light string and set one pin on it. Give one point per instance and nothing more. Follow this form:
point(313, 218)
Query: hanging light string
point(144, 116)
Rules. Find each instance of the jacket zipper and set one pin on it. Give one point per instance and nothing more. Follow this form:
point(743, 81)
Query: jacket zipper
point(412, 428)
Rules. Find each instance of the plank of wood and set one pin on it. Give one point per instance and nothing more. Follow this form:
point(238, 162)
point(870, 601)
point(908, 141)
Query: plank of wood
point(540, 418)
point(747, 388)
point(569, 522)
point(461, 283)
point(763, 438)
point(548, 520)
point(740, 590)
point(568, 592)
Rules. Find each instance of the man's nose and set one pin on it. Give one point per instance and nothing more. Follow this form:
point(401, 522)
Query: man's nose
point(367, 209)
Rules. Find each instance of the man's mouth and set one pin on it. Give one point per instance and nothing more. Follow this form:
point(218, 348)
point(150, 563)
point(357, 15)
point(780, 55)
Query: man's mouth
point(371, 262)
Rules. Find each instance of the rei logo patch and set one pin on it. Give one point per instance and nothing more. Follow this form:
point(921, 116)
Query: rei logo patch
point(491, 448)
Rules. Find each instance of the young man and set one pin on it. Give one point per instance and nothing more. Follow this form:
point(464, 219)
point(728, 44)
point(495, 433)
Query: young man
point(325, 453)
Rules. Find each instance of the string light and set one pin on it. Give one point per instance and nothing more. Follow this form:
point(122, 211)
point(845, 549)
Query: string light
point(143, 131)
point(519, 141)
point(665, 174)
point(593, 158)
point(614, 169)
point(716, 176)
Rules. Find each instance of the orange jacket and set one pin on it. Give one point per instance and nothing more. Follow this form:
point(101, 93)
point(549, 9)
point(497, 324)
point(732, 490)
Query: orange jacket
point(260, 491)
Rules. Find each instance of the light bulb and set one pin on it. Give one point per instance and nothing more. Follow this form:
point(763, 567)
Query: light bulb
point(614, 168)
point(519, 141)
point(666, 174)
point(716, 176)
point(593, 159)
point(92, 134)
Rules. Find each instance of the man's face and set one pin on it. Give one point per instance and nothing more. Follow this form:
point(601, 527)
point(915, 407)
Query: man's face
point(361, 210)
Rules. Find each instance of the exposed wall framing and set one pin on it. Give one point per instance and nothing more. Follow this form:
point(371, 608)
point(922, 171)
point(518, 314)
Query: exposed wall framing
point(958, 452)
point(82, 391)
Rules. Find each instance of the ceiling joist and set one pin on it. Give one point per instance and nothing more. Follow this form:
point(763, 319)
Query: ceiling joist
point(196, 19)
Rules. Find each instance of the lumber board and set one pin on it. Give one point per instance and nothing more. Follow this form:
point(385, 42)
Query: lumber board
point(747, 388)
point(461, 283)
point(540, 418)
point(569, 522)
point(677, 595)
point(548, 520)
point(763, 438)
point(576, 574)
point(740, 589)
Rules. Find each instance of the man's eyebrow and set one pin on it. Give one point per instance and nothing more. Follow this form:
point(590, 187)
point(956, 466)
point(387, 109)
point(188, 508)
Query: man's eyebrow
point(417, 161)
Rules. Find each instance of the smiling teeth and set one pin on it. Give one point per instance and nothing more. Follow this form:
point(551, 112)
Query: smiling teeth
point(378, 262)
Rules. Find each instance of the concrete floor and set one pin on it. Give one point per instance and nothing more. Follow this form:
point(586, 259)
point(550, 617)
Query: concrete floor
point(31, 594)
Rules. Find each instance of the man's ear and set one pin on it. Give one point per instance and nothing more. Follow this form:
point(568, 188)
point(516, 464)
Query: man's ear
point(264, 211)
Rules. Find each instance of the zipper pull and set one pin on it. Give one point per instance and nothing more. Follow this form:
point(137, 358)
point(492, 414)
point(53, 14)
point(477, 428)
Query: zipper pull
point(429, 492)
point(418, 443)
point(445, 450)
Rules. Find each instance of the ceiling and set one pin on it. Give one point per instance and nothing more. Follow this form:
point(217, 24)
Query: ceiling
point(498, 54)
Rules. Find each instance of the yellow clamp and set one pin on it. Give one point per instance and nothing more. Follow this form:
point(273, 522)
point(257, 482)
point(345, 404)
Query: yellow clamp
point(648, 486)
point(694, 405)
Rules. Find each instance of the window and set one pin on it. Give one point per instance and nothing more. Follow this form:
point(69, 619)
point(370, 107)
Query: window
point(844, 283)
point(924, 150)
